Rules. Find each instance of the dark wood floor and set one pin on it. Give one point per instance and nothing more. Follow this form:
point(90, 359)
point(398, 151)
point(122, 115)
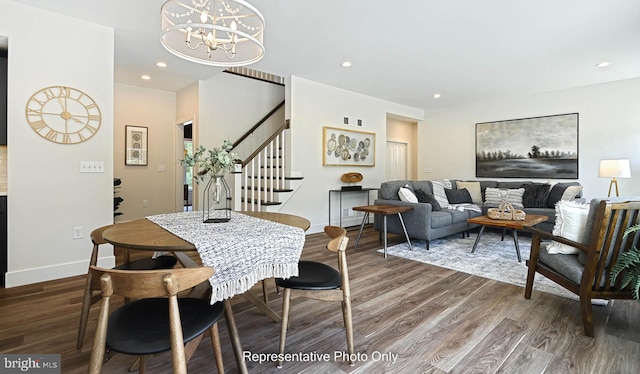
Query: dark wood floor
point(431, 320)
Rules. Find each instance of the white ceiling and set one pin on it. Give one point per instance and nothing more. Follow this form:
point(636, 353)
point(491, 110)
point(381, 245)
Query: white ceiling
point(402, 50)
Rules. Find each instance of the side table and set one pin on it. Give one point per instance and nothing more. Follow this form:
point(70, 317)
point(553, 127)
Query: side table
point(383, 210)
point(340, 192)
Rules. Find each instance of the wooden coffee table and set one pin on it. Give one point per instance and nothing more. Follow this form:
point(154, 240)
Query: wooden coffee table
point(383, 210)
point(514, 226)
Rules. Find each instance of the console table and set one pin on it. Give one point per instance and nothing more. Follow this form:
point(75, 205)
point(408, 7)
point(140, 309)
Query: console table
point(340, 192)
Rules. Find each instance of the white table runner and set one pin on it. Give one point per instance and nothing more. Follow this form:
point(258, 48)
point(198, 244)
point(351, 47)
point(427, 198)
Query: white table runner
point(241, 252)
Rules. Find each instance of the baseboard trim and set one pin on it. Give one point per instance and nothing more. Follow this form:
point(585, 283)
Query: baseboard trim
point(46, 273)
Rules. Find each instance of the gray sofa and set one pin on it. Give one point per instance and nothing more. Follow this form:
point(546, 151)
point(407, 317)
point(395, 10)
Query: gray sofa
point(425, 223)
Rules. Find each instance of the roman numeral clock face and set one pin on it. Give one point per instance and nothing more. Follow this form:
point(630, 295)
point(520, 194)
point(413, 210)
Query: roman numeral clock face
point(63, 115)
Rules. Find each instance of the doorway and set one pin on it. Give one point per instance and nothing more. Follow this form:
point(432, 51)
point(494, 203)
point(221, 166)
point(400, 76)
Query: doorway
point(187, 172)
point(396, 161)
point(402, 147)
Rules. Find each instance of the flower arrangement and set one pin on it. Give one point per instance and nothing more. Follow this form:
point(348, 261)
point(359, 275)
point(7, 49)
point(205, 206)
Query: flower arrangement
point(211, 162)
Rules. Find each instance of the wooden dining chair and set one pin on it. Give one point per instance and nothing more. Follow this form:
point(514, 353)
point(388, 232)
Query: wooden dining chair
point(157, 320)
point(92, 285)
point(321, 282)
point(587, 274)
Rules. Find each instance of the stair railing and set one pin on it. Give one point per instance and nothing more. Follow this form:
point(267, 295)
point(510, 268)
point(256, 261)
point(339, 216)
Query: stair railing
point(263, 173)
point(257, 125)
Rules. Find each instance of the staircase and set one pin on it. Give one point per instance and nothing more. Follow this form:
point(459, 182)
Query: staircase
point(264, 181)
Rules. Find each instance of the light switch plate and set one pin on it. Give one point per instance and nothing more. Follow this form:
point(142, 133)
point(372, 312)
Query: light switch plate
point(91, 167)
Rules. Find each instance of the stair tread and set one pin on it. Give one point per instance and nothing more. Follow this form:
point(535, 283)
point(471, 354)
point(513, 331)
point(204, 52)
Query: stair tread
point(269, 189)
point(285, 178)
point(250, 201)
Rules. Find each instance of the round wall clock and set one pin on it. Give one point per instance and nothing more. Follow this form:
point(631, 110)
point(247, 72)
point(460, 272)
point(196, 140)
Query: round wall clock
point(63, 114)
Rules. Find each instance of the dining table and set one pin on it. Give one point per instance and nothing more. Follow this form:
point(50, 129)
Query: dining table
point(251, 247)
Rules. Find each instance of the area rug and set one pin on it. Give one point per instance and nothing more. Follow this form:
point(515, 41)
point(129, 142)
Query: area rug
point(494, 259)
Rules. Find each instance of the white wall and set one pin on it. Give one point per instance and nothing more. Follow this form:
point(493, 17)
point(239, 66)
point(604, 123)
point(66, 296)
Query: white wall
point(229, 105)
point(609, 128)
point(314, 105)
point(156, 110)
point(47, 196)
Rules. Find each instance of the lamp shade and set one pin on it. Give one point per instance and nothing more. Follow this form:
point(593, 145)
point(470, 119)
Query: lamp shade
point(614, 169)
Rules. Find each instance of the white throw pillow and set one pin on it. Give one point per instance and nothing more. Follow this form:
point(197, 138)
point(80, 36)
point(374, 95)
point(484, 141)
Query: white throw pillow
point(474, 190)
point(493, 196)
point(405, 194)
point(571, 219)
point(438, 191)
point(571, 192)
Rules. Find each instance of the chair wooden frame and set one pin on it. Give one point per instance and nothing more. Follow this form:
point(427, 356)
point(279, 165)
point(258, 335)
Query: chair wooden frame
point(140, 284)
point(92, 285)
point(606, 244)
point(337, 244)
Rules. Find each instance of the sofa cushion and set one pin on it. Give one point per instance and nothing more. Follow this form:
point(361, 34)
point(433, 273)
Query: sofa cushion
point(571, 219)
point(535, 195)
point(474, 190)
point(440, 219)
point(424, 197)
point(486, 184)
point(512, 185)
point(389, 190)
point(567, 265)
point(514, 196)
point(458, 216)
point(571, 192)
point(438, 186)
point(406, 194)
point(422, 185)
point(557, 191)
point(458, 196)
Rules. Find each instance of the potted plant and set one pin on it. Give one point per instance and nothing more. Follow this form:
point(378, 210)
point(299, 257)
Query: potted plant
point(629, 261)
point(212, 165)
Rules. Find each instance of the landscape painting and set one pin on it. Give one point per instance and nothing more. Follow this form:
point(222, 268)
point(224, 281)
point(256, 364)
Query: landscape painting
point(540, 147)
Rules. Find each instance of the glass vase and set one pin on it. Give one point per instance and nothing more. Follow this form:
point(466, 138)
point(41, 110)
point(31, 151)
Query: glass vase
point(216, 200)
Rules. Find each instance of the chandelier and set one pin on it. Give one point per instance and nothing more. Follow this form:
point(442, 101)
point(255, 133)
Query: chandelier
point(213, 32)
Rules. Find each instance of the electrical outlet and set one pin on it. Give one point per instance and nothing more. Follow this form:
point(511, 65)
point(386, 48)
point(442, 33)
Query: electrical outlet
point(145, 203)
point(77, 232)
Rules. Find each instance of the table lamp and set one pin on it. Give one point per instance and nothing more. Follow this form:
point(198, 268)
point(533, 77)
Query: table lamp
point(614, 169)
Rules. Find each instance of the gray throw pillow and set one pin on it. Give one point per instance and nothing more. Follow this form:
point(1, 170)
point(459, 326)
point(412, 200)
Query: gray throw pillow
point(460, 196)
point(424, 197)
point(555, 195)
point(535, 195)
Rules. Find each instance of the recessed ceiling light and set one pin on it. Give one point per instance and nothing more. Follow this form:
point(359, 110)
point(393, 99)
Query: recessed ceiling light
point(161, 64)
point(436, 96)
point(346, 64)
point(145, 77)
point(603, 64)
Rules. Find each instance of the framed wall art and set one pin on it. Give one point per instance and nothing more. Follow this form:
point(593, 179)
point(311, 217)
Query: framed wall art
point(341, 147)
point(135, 145)
point(539, 147)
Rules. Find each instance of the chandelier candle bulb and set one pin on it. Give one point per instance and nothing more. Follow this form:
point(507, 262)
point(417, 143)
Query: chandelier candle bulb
point(222, 33)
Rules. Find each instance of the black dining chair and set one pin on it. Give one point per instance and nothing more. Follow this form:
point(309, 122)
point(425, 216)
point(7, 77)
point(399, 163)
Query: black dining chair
point(319, 281)
point(157, 321)
point(92, 285)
